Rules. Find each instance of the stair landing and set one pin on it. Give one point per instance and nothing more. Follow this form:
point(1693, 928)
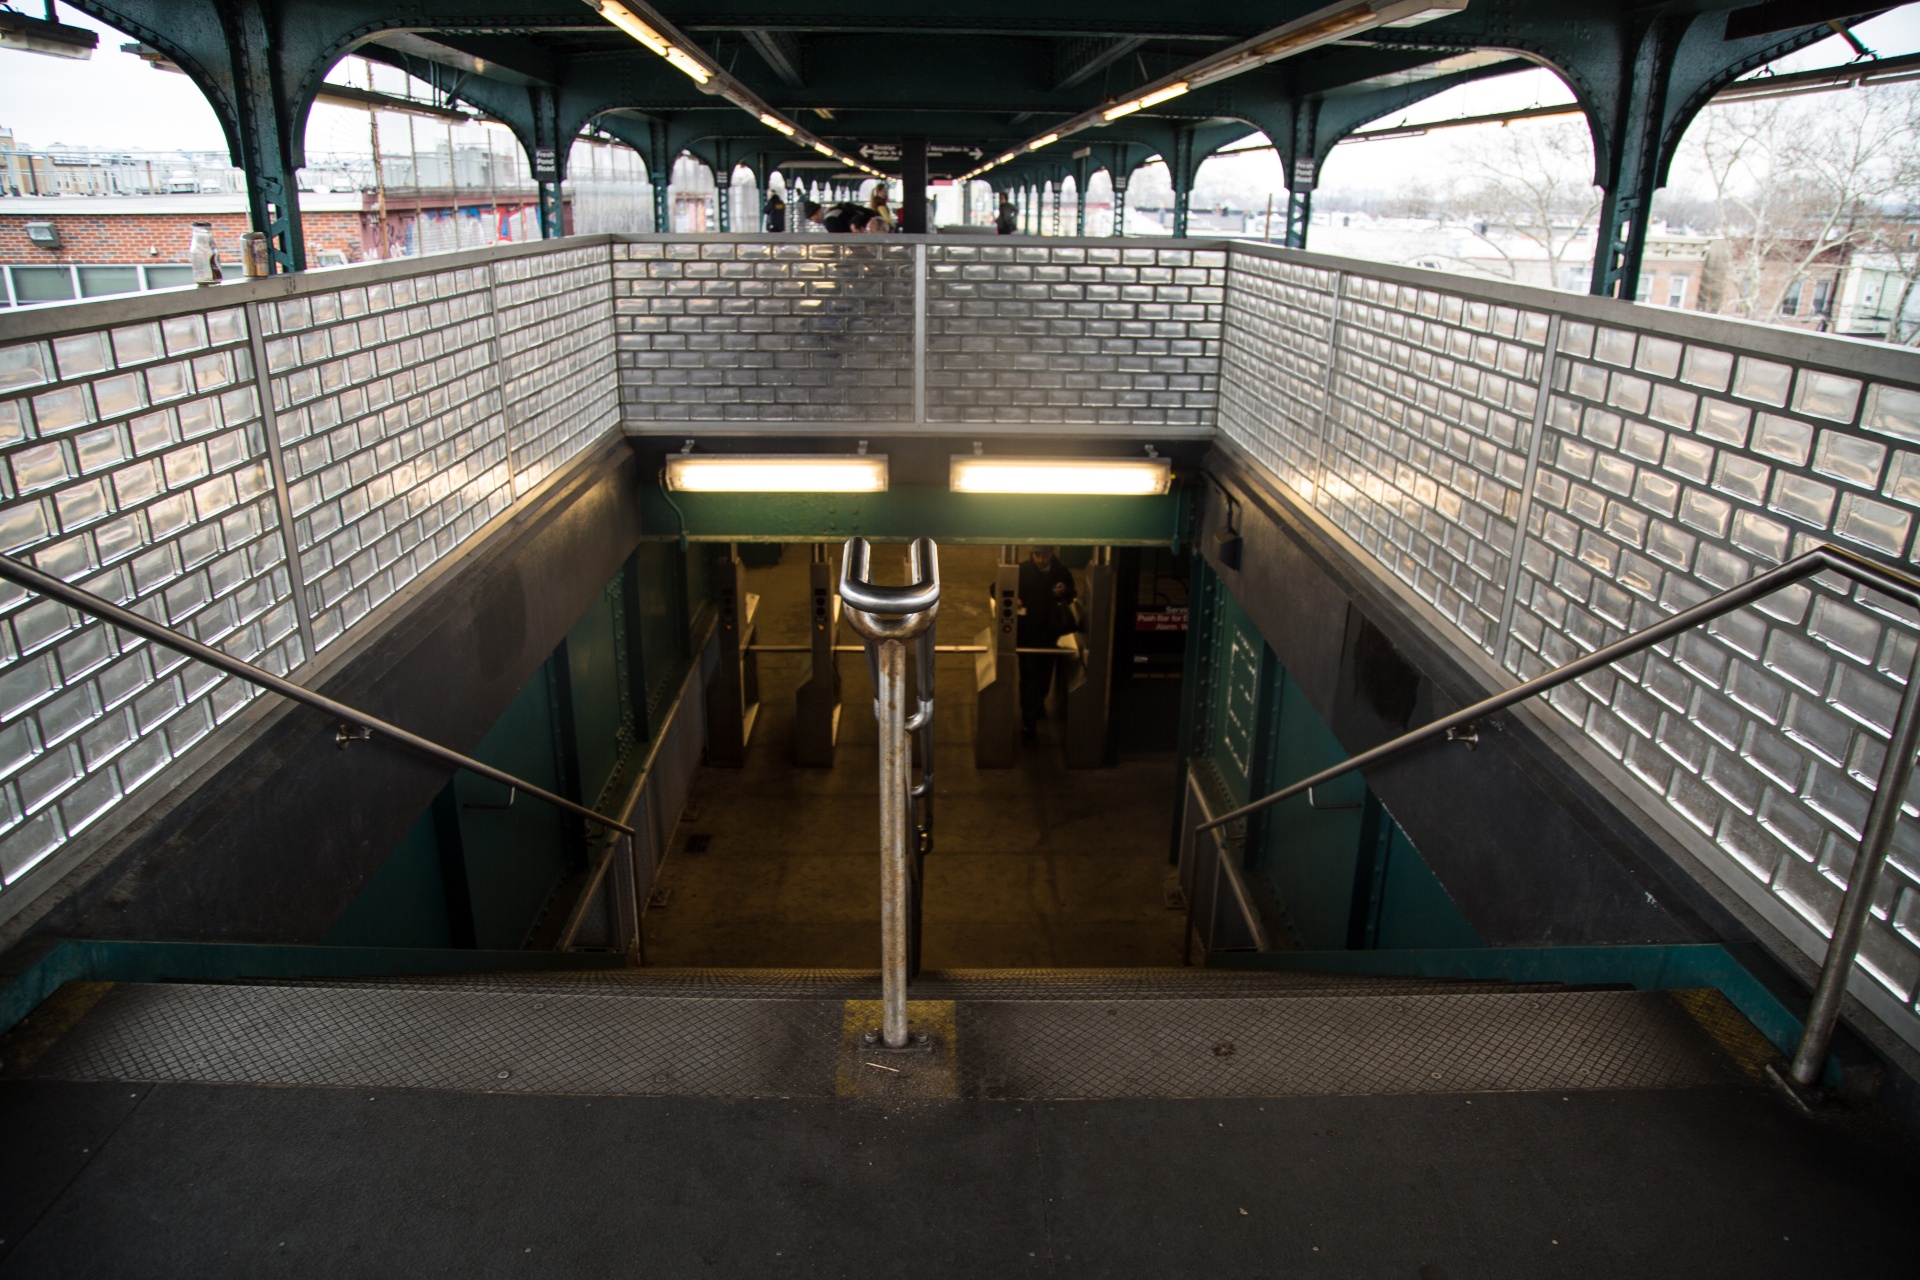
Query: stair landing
point(1014, 1034)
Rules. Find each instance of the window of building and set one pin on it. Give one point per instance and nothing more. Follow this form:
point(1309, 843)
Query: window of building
point(1677, 291)
point(1646, 286)
point(1790, 300)
point(1823, 297)
point(96, 282)
point(42, 284)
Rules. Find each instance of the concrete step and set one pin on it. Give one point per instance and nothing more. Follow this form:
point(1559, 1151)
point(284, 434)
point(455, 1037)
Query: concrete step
point(1036, 1034)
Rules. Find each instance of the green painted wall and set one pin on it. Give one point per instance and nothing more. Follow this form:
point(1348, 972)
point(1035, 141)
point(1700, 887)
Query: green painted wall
point(905, 512)
point(405, 904)
point(1342, 872)
point(471, 873)
point(516, 856)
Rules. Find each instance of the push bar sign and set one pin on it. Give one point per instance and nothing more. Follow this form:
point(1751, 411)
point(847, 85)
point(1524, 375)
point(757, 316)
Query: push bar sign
point(1160, 620)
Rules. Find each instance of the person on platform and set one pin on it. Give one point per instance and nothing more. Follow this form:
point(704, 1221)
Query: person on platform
point(1046, 592)
point(878, 203)
point(844, 218)
point(1008, 220)
point(776, 214)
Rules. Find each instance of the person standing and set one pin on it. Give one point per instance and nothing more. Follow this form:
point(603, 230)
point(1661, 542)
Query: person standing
point(1046, 591)
point(877, 202)
point(1009, 220)
point(776, 213)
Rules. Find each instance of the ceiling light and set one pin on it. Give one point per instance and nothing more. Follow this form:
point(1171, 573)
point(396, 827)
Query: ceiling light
point(628, 21)
point(699, 73)
point(1131, 477)
point(824, 149)
point(1144, 101)
point(1042, 141)
point(775, 122)
point(777, 473)
point(637, 27)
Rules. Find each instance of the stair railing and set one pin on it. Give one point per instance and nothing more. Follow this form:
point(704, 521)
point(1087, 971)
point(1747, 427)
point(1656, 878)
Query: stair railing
point(1816, 1037)
point(353, 726)
point(887, 618)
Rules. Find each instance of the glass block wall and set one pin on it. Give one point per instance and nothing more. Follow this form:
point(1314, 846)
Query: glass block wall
point(1542, 474)
point(169, 455)
point(804, 329)
point(1073, 333)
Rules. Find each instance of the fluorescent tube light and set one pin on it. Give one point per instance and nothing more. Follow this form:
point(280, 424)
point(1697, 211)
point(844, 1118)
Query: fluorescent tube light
point(631, 23)
point(1042, 141)
point(775, 122)
point(825, 150)
point(628, 21)
point(678, 59)
point(777, 473)
point(1141, 103)
point(1129, 477)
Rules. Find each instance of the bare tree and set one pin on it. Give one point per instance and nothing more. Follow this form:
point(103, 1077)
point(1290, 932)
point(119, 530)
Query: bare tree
point(1797, 184)
point(1528, 188)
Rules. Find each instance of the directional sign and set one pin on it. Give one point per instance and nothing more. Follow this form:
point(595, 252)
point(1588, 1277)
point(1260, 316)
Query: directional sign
point(940, 149)
point(880, 152)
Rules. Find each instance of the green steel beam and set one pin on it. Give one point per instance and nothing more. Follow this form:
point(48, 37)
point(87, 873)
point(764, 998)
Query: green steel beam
point(906, 512)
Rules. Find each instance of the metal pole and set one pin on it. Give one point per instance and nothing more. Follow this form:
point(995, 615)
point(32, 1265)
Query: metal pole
point(894, 883)
point(1810, 1058)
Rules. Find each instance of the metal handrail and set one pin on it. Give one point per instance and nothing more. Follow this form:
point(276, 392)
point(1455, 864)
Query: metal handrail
point(887, 618)
point(1809, 1059)
point(27, 576)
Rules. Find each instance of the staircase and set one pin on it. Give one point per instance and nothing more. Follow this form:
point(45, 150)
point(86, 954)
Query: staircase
point(994, 1034)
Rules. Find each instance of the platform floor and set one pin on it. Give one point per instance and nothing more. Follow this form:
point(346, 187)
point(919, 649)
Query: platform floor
point(1038, 866)
point(227, 1181)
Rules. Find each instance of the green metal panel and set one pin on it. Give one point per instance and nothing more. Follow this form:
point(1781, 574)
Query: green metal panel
point(603, 711)
point(1310, 856)
point(663, 577)
point(515, 856)
point(405, 903)
point(1237, 657)
point(1415, 908)
point(906, 512)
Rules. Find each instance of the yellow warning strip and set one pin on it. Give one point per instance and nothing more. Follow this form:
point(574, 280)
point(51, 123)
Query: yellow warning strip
point(1750, 1050)
point(869, 1071)
point(52, 1018)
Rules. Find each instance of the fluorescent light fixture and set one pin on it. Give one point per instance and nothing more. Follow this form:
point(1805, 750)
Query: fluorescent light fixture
point(1144, 101)
point(777, 473)
point(44, 35)
point(637, 27)
point(1114, 477)
point(1043, 140)
point(1003, 159)
point(678, 59)
point(824, 149)
point(630, 22)
point(775, 122)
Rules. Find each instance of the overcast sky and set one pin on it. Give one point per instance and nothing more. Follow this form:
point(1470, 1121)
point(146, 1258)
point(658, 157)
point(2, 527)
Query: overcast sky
point(115, 100)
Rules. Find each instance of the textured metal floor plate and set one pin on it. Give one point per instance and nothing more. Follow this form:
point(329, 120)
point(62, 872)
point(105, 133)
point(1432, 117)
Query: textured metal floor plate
point(584, 1040)
point(1335, 1045)
point(952, 984)
point(511, 1042)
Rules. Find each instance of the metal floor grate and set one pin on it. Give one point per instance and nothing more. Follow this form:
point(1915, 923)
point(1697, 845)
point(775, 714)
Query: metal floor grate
point(587, 1040)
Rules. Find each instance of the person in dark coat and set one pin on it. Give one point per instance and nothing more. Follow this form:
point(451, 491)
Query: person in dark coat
point(1046, 589)
point(845, 217)
point(776, 213)
point(1008, 220)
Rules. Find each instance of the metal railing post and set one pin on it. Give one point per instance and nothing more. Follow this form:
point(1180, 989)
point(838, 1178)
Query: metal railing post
point(1883, 818)
point(895, 885)
point(887, 618)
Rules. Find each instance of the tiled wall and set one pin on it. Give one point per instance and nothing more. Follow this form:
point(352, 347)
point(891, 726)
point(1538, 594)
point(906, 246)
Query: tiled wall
point(791, 330)
point(1669, 457)
point(138, 460)
point(1069, 334)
